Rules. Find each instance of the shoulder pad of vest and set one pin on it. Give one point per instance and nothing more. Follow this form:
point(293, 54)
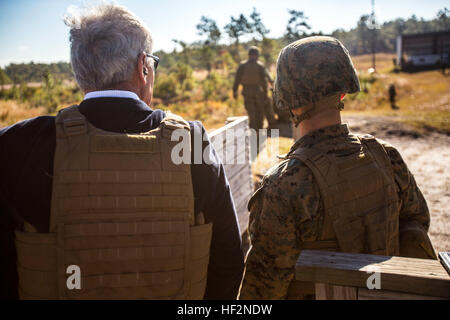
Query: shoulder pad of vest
point(72, 121)
point(68, 113)
point(171, 123)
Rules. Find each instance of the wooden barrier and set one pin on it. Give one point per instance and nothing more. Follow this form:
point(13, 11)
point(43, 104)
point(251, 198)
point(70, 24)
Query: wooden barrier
point(232, 144)
point(345, 276)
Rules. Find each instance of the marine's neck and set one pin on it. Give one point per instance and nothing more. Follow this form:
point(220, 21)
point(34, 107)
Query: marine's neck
point(324, 119)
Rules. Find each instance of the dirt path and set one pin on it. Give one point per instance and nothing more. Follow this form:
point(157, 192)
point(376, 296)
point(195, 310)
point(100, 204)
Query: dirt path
point(427, 155)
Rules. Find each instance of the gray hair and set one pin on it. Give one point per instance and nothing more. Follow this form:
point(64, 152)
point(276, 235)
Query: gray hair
point(105, 43)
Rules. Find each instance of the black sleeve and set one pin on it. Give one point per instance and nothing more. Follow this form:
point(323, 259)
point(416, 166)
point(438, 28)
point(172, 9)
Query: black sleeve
point(213, 197)
point(26, 166)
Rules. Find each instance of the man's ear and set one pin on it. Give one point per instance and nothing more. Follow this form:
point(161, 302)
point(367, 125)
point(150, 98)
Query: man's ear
point(142, 70)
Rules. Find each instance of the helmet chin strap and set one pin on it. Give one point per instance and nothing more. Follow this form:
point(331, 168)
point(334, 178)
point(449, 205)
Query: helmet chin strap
point(329, 102)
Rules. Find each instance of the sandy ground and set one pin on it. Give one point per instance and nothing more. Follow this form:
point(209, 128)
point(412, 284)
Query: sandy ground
point(427, 155)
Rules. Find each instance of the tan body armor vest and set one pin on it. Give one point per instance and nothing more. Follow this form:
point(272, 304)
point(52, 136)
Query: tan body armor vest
point(359, 197)
point(123, 213)
point(360, 201)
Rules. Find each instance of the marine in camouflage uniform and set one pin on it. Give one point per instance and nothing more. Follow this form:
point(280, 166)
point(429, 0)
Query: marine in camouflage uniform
point(335, 190)
point(254, 78)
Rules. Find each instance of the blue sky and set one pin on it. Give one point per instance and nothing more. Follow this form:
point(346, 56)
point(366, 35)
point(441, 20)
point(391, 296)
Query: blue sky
point(33, 30)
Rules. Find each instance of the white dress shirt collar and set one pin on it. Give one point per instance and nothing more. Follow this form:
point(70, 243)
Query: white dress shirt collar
point(111, 94)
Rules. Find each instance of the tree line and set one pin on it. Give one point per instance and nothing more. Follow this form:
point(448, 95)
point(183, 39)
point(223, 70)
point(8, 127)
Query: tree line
point(244, 30)
point(34, 72)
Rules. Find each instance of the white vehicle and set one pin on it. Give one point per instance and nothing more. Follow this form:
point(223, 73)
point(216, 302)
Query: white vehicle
point(426, 59)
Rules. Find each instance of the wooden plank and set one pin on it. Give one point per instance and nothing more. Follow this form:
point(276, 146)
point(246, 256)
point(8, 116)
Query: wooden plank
point(417, 276)
point(243, 223)
point(241, 179)
point(243, 216)
point(366, 294)
point(240, 170)
point(241, 208)
point(219, 137)
point(241, 205)
point(241, 121)
point(223, 140)
point(331, 292)
point(235, 158)
point(239, 175)
point(229, 151)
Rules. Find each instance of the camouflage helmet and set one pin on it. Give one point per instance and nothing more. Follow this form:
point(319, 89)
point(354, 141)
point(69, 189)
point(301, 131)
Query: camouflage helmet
point(313, 70)
point(253, 50)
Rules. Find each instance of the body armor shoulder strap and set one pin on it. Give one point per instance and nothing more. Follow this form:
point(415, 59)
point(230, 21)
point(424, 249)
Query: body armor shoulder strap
point(70, 122)
point(171, 123)
point(378, 152)
point(74, 123)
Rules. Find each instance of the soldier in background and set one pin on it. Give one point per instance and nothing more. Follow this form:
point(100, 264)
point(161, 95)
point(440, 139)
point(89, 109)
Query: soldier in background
point(254, 78)
point(335, 190)
point(392, 95)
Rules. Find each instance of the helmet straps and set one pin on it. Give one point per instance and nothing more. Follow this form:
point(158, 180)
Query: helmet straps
point(329, 102)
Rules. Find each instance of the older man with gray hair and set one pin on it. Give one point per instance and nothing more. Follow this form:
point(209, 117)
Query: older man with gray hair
point(94, 191)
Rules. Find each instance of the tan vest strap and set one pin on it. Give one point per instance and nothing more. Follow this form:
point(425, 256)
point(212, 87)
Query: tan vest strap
point(72, 121)
point(317, 163)
point(378, 152)
point(171, 123)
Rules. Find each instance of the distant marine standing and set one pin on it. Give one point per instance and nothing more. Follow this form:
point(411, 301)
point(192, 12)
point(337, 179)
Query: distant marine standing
point(334, 190)
point(392, 96)
point(254, 78)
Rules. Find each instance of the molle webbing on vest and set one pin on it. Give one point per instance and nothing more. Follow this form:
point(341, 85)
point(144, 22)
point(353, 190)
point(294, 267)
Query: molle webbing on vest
point(358, 194)
point(122, 212)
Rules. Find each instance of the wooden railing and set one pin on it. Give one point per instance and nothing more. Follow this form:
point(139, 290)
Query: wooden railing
point(239, 173)
point(348, 276)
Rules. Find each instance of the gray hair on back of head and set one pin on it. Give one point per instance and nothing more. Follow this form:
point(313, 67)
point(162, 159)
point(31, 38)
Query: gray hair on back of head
point(105, 43)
